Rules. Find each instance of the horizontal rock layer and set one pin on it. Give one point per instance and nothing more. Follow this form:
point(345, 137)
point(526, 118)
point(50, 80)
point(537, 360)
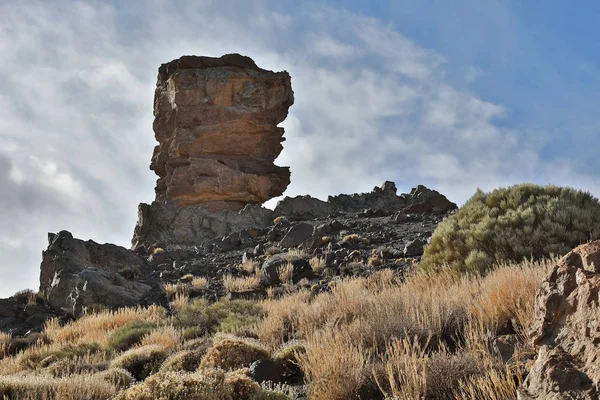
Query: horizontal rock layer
point(216, 124)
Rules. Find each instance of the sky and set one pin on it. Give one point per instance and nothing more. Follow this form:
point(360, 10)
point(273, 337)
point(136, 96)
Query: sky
point(453, 95)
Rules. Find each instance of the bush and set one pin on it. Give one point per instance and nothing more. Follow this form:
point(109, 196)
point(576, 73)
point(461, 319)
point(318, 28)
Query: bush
point(141, 361)
point(129, 334)
point(224, 315)
point(118, 377)
point(185, 360)
point(233, 353)
point(511, 224)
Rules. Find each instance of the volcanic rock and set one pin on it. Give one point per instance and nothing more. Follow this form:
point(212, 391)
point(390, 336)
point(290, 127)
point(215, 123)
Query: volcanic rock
point(216, 124)
point(76, 274)
point(566, 330)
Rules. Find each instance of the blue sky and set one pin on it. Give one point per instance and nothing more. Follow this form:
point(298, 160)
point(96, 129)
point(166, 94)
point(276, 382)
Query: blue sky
point(454, 96)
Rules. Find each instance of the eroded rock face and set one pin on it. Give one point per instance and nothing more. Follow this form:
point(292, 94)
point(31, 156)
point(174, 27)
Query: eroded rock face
point(75, 274)
point(567, 330)
point(216, 124)
point(382, 198)
point(167, 223)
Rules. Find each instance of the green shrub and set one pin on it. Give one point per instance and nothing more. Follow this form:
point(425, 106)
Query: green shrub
point(224, 316)
point(129, 334)
point(184, 360)
point(510, 224)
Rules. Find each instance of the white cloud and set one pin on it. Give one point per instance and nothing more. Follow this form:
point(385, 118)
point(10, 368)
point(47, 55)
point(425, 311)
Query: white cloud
point(76, 87)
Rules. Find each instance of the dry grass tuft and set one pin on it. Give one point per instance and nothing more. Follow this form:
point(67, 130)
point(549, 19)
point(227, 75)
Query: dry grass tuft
point(232, 353)
point(317, 264)
point(242, 284)
point(285, 272)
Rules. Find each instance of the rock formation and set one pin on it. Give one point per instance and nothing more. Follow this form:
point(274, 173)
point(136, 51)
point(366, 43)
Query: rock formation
point(75, 274)
point(380, 199)
point(567, 330)
point(216, 124)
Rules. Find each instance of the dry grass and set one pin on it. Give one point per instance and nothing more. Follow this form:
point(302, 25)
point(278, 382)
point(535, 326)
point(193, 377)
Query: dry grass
point(317, 264)
point(249, 266)
point(199, 283)
point(167, 337)
point(175, 289)
point(354, 239)
point(40, 387)
point(271, 251)
point(285, 272)
point(96, 327)
point(242, 284)
point(427, 336)
point(5, 339)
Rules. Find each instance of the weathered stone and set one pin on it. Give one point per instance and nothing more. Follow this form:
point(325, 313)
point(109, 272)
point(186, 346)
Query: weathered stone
point(270, 269)
point(305, 207)
point(167, 222)
point(265, 371)
point(414, 248)
point(75, 274)
point(216, 124)
point(566, 327)
point(297, 235)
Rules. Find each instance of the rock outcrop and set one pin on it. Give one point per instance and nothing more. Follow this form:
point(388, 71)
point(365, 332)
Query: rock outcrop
point(76, 274)
point(380, 199)
point(567, 330)
point(216, 124)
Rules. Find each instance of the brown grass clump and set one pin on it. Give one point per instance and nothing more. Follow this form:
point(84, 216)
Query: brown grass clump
point(141, 361)
point(175, 289)
point(242, 284)
point(355, 239)
point(184, 360)
point(317, 264)
point(199, 283)
point(167, 337)
point(40, 387)
point(334, 366)
point(118, 377)
point(249, 266)
point(232, 353)
point(285, 272)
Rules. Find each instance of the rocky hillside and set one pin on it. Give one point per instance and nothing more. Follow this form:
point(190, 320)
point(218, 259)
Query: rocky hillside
point(219, 294)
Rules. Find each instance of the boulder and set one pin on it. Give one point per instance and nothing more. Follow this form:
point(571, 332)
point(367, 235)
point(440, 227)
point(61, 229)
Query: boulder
point(566, 329)
point(414, 248)
point(76, 274)
point(216, 124)
point(297, 235)
point(269, 269)
point(303, 207)
point(265, 371)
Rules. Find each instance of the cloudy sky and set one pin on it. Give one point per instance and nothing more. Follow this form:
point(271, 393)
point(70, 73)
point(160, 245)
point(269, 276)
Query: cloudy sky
point(481, 93)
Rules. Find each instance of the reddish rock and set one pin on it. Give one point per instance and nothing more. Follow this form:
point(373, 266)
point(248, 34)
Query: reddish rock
point(567, 330)
point(216, 124)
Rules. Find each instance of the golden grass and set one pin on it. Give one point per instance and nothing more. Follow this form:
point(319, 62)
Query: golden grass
point(285, 272)
point(5, 339)
point(249, 266)
point(167, 337)
point(199, 283)
point(427, 336)
point(40, 387)
point(234, 284)
point(317, 264)
point(96, 327)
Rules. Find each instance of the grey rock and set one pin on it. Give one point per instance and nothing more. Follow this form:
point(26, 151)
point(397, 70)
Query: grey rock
point(297, 235)
point(269, 269)
point(304, 207)
point(76, 274)
point(414, 248)
point(167, 223)
point(265, 371)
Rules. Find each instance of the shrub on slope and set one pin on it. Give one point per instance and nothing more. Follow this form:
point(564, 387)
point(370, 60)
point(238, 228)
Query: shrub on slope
point(510, 224)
